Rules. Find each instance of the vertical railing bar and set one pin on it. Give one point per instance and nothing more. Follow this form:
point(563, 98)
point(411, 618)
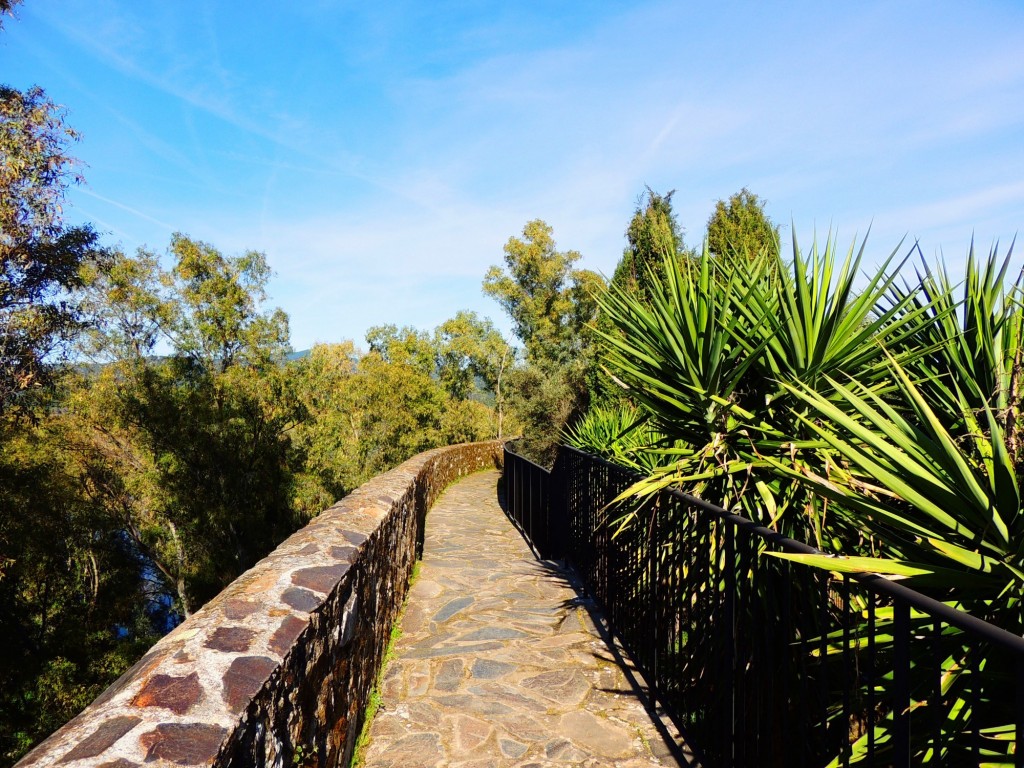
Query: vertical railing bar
point(806, 587)
point(822, 629)
point(1018, 732)
point(901, 684)
point(730, 641)
point(936, 705)
point(975, 702)
point(871, 678)
point(649, 544)
point(847, 672)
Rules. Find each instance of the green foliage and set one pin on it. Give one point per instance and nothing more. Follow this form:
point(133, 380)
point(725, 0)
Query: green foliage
point(189, 451)
point(366, 415)
point(403, 346)
point(739, 229)
point(40, 258)
point(548, 300)
point(218, 299)
point(712, 353)
point(71, 609)
point(618, 433)
point(652, 234)
point(469, 350)
point(893, 408)
point(551, 305)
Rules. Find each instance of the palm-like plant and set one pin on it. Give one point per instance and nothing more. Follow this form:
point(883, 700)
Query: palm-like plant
point(621, 434)
point(898, 406)
point(711, 354)
point(934, 474)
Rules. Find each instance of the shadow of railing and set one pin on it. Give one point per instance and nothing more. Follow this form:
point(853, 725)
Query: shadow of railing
point(760, 661)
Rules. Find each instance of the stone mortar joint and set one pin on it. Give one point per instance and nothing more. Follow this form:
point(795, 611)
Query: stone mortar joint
point(277, 669)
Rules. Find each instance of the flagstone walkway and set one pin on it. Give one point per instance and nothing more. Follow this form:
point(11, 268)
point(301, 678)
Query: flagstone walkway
point(499, 662)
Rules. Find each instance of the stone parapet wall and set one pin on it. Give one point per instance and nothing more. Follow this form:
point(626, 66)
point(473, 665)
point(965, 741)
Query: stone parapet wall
point(277, 669)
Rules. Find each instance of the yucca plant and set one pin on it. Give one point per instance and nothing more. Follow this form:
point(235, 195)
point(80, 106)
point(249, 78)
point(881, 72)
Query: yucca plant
point(711, 353)
point(898, 406)
point(948, 511)
point(972, 339)
point(619, 433)
point(933, 473)
point(708, 355)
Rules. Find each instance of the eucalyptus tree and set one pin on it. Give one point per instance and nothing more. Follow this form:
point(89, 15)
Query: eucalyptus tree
point(551, 304)
point(404, 346)
point(471, 349)
point(183, 434)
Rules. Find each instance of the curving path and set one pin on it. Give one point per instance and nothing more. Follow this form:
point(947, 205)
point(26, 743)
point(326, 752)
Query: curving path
point(499, 663)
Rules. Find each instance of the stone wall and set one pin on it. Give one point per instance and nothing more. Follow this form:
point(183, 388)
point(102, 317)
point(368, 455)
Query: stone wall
point(277, 669)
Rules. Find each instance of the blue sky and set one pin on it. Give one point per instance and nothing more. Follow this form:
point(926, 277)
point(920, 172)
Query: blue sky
point(382, 154)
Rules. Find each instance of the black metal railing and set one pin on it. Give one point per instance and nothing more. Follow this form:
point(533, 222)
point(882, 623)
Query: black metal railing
point(764, 662)
point(527, 499)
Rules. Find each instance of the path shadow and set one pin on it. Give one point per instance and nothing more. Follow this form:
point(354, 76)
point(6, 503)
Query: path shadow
point(664, 723)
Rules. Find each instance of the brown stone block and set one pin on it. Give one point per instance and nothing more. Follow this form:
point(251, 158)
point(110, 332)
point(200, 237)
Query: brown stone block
point(183, 743)
point(100, 740)
point(343, 553)
point(177, 694)
point(238, 609)
point(244, 678)
point(321, 578)
point(234, 639)
point(354, 538)
point(258, 582)
point(119, 763)
point(300, 599)
point(286, 634)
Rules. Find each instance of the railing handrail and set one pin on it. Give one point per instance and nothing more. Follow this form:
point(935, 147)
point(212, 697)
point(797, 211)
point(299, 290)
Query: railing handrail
point(528, 461)
point(875, 582)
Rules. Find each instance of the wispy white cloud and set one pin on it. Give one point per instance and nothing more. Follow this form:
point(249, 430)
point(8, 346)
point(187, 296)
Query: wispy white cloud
point(127, 208)
point(407, 143)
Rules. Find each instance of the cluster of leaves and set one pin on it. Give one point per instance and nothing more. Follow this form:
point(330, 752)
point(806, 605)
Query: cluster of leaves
point(621, 433)
point(40, 257)
point(367, 413)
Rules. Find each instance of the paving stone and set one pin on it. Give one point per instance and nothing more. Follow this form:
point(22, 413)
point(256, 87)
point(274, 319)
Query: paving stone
point(512, 748)
point(449, 675)
point(499, 663)
point(452, 608)
point(470, 733)
point(494, 633)
point(488, 669)
point(597, 735)
point(563, 685)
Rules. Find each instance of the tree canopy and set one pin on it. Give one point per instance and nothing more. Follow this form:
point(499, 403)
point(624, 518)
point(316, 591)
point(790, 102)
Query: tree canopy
point(548, 299)
point(653, 234)
point(40, 258)
point(739, 228)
